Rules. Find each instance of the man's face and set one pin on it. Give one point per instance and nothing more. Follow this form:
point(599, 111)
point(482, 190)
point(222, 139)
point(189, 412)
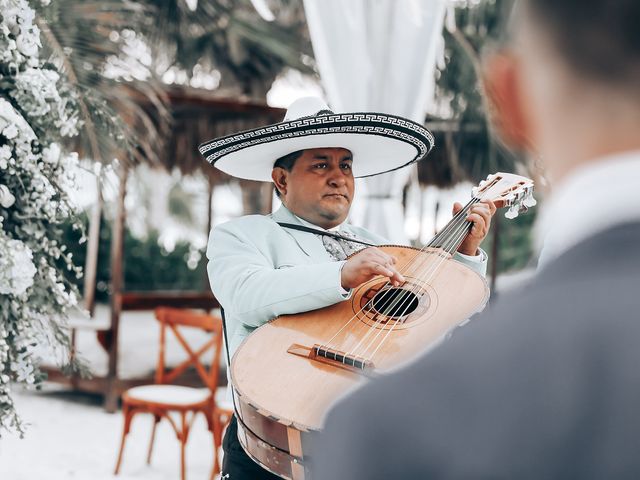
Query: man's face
point(319, 188)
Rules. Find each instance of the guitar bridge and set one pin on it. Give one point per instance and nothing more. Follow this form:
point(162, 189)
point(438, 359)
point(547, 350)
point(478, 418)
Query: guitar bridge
point(333, 357)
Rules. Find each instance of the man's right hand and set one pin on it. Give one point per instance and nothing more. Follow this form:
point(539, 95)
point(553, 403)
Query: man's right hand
point(368, 263)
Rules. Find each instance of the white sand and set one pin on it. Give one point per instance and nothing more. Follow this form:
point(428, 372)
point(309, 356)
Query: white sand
point(70, 436)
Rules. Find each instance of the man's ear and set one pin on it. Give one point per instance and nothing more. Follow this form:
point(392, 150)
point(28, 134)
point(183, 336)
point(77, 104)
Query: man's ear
point(502, 85)
point(279, 177)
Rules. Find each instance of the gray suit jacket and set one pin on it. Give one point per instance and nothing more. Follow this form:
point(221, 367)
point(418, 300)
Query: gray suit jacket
point(545, 384)
point(259, 270)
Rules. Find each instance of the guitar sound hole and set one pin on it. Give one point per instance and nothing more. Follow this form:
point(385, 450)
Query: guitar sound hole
point(395, 302)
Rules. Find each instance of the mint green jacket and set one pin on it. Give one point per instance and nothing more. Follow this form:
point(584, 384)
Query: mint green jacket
point(259, 270)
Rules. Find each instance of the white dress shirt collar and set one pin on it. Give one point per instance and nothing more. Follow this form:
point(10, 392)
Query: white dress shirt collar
point(594, 198)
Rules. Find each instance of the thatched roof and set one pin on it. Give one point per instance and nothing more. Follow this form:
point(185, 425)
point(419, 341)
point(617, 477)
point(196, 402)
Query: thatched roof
point(454, 157)
point(200, 115)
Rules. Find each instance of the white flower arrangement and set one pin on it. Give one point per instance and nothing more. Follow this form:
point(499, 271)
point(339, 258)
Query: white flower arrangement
point(36, 111)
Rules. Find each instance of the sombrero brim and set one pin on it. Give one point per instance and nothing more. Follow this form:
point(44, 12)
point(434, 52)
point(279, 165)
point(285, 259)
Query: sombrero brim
point(379, 143)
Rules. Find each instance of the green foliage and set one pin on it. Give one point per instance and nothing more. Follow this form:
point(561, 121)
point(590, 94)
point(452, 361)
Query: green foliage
point(233, 39)
point(147, 265)
point(37, 110)
point(479, 25)
point(515, 245)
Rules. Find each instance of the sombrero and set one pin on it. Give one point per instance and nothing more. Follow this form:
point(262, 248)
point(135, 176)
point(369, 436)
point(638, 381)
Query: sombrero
point(378, 142)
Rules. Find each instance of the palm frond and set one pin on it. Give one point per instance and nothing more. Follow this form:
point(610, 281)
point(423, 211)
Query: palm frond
point(120, 119)
point(232, 38)
point(478, 148)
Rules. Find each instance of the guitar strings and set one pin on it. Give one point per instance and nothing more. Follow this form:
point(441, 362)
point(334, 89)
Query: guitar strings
point(408, 293)
point(453, 246)
point(408, 263)
point(427, 277)
point(433, 274)
point(454, 225)
point(406, 301)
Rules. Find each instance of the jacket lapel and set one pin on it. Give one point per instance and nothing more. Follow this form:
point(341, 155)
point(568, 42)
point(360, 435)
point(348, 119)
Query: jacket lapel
point(310, 244)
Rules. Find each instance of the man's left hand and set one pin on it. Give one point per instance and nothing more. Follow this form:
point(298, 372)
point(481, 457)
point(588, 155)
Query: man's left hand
point(480, 214)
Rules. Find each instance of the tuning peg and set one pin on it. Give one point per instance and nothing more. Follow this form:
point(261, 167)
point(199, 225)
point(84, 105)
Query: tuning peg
point(529, 201)
point(512, 212)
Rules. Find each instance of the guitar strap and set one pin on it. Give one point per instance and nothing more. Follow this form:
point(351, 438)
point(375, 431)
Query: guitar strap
point(226, 349)
point(224, 332)
point(302, 228)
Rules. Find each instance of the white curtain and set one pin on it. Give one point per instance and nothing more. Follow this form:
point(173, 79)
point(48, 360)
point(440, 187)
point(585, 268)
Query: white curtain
point(378, 55)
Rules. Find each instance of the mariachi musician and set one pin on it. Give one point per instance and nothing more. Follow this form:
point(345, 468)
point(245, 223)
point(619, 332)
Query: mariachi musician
point(295, 259)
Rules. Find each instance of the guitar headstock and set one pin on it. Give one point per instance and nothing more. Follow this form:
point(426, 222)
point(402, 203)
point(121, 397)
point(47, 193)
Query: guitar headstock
point(507, 190)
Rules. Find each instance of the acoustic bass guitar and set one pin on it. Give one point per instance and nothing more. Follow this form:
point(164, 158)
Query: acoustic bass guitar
point(287, 374)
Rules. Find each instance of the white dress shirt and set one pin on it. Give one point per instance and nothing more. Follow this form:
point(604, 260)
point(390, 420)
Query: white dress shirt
point(594, 198)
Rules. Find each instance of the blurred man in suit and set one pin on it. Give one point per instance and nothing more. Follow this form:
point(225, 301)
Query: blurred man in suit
point(544, 384)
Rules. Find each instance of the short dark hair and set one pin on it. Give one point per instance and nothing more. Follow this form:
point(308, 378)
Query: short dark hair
point(287, 162)
point(598, 39)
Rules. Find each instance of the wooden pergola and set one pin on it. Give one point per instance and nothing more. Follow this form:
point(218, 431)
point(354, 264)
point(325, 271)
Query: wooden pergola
point(196, 116)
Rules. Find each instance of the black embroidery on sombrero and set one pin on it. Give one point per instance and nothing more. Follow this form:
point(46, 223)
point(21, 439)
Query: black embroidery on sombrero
point(362, 123)
point(361, 119)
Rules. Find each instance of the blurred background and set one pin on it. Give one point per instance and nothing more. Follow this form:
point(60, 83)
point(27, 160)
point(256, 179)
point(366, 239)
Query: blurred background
point(158, 77)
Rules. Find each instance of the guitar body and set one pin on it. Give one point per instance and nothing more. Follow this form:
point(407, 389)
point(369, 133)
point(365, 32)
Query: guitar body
point(286, 375)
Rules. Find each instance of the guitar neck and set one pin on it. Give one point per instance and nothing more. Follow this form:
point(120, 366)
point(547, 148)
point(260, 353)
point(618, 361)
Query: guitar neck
point(454, 232)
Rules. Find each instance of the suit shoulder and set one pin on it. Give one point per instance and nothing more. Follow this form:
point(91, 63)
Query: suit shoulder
point(246, 222)
point(242, 230)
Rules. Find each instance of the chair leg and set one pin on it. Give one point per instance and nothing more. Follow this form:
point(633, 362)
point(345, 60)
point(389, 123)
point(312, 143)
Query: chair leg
point(183, 443)
point(156, 419)
point(128, 414)
point(218, 425)
point(217, 442)
point(216, 464)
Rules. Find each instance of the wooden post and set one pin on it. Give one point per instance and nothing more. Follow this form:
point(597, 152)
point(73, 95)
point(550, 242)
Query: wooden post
point(205, 280)
point(90, 268)
point(267, 198)
point(251, 197)
point(210, 207)
point(117, 248)
point(421, 213)
point(93, 243)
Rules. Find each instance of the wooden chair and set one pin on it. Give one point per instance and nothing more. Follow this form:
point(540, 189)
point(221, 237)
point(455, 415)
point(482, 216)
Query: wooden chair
point(162, 398)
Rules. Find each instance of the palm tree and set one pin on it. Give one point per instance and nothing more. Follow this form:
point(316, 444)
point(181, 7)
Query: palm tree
point(477, 150)
point(232, 39)
point(81, 38)
point(476, 26)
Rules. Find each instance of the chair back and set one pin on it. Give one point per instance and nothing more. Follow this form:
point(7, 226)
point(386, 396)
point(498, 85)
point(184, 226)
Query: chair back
point(174, 320)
